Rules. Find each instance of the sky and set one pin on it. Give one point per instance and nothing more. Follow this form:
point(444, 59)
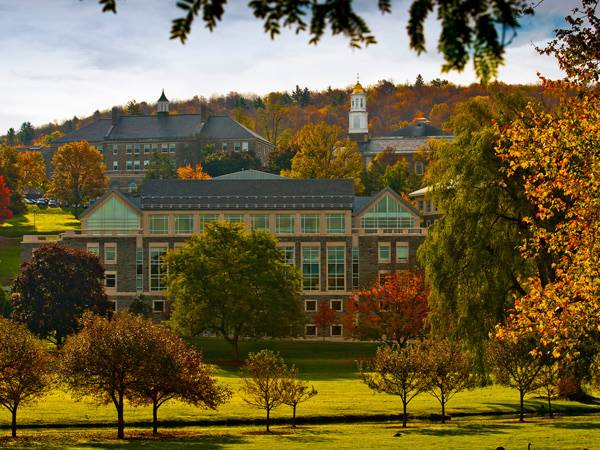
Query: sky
point(62, 58)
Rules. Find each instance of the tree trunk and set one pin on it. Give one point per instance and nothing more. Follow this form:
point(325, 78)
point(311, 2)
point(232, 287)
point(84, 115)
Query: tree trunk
point(154, 418)
point(235, 346)
point(521, 397)
point(550, 404)
point(13, 426)
point(294, 416)
point(403, 414)
point(443, 409)
point(120, 421)
point(268, 414)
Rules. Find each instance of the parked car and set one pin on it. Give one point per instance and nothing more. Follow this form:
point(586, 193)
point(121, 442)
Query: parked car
point(42, 202)
point(52, 203)
point(29, 201)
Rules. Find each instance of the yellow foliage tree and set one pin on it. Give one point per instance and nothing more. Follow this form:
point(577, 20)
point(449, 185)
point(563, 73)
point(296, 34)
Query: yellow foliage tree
point(324, 153)
point(192, 173)
point(78, 173)
point(32, 170)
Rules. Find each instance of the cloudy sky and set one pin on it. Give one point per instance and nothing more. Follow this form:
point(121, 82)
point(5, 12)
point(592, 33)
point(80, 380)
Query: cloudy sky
point(62, 58)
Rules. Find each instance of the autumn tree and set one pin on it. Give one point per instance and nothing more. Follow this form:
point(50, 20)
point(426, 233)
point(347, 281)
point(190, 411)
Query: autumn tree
point(397, 371)
point(9, 170)
point(5, 212)
point(78, 174)
point(324, 318)
point(24, 368)
point(32, 168)
point(54, 288)
point(160, 167)
point(270, 117)
point(264, 373)
point(174, 371)
point(233, 283)
point(188, 172)
point(50, 138)
point(295, 391)
point(515, 364)
point(323, 152)
point(393, 312)
point(549, 381)
point(448, 370)
point(388, 169)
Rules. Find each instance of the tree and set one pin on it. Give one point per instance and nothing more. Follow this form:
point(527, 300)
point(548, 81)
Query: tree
point(9, 169)
point(140, 307)
point(192, 173)
point(26, 133)
point(5, 212)
point(394, 311)
point(264, 373)
point(419, 83)
point(78, 174)
point(270, 116)
point(324, 153)
point(32, 169)
point(448, 371)
point(160, 167)
point(324, 318)
point(233, 283)
point(24, 368)
point(133, 108)
point(54, 288)
point(549, 380)
point(50, 138)
point(515, 364)
point(388, 169)
point(11, 137)
point(295, 391)
point(281, 158)
point(5, 305)
point(222, 162)
point(397, 371)
point(174, 371)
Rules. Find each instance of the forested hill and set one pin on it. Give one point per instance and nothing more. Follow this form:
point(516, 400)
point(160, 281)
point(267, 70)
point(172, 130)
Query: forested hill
point(278, 115)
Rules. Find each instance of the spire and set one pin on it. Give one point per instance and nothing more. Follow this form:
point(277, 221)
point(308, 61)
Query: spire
point(163, 97)
point(162, 105)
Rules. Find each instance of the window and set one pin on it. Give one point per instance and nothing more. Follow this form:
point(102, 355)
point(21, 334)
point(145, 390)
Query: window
point(156, 268)
point(136, 149)
point(128, 148)
point(310, 305)
point(311, 268)
point(336, 268)
point(132, 186)
point(336, 223)
point(387, 213)
point(115, 165)
point(237, 146)
point(159, 224)
point(164, 148)
point(384, 252)
point(93, 248)
point(289, 255)
point(115, 149)
point(420, 206)
point(419, 167)
point(129, 165)
point(205, 219)
point(244, 146)
point(113, 214)
point(402, 252)
point(171, 147)
point(234, 218)
point(139, 269)
point(355, 268)
point(184, 224)
point(110, 253)
point(337, 305)
point(336, 330)
point(146, 163)
point(136, 164)
point(224, 146)
point(310, 223)
point(146, 149)
point(260, 222)
point(310, 330)
point(158, 306)
point(110, 280)
point(154, 148)
point(284, 223)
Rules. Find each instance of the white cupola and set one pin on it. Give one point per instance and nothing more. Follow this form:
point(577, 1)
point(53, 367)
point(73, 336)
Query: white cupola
point(162, 105)
point(358, 118)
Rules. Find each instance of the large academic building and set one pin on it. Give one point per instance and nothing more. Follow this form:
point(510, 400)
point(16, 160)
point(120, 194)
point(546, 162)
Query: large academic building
point(338, 240)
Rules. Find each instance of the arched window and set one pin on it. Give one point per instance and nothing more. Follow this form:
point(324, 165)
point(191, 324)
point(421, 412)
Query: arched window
point(387, 213)
point(132, 186)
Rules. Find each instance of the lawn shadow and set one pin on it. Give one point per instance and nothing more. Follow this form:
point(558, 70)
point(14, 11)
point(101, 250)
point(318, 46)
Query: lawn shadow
point(464, 430)
point(560, 423)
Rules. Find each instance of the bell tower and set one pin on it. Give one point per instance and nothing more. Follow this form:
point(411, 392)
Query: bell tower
point(358, 118)
point(162, 105)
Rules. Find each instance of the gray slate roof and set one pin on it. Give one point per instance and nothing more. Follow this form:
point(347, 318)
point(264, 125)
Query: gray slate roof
point(420, 129)
point(265, 194)
point(224, 127)
point(250, 174)
point(93, 132)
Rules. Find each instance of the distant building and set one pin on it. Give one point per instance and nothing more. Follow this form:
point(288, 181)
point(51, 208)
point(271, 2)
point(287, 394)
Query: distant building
point(425, 205)
point(128, 141)
point(404, 141)
point(339, 241)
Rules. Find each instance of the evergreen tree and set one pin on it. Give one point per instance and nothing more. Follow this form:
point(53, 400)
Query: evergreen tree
point(26, 133)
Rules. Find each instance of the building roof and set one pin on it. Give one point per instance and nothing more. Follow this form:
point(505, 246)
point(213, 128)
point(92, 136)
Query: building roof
point(240, 194)
point(224, 127)
point(163, 97)
point(419, 192)
point(420, 129)
point(93, 132)
point(399, 145)
point(250, 174)
point(361, 202)
point(358, 89)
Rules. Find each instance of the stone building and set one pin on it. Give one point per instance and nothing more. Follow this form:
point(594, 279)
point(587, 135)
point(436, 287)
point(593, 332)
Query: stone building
point(338, 240)
point(129, 141)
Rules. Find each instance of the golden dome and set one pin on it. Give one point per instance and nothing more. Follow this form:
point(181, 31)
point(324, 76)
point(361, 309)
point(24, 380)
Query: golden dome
point(358, 89)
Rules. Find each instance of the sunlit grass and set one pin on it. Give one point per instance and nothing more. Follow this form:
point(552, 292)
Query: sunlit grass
point(39, 221)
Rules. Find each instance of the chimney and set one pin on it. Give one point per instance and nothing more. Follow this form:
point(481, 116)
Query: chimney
point(115, 116)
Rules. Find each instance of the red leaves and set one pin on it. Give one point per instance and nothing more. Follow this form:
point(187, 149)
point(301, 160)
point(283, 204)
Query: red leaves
point(5, 212)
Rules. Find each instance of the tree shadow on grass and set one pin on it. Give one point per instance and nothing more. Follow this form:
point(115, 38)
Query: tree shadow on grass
point(564, 423)
point(465, 430)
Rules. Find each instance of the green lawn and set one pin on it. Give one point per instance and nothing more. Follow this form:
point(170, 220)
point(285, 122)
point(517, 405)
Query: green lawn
point(10, 259)
point(39, 221)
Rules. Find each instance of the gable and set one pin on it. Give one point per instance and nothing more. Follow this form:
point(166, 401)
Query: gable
point(388, 211)
point(112, 213)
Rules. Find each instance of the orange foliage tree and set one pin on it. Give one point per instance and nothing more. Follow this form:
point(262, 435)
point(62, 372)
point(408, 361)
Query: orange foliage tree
point(5, 212)
point(393, 311)
point(192, 173)
point(324, 318)
point(32, 170)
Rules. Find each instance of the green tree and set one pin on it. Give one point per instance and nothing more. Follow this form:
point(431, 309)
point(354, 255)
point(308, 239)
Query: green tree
point(324, 152)
point(233, 283)
point(5, 305)
point(389, 169)
point(160, 167)
point(133, 108)
point(9, 169)
point(26, 133)
point(54, 288)
point(419, 83)
point(295, 391)
point(24, 368)
point(222, 162)
point(11, 137)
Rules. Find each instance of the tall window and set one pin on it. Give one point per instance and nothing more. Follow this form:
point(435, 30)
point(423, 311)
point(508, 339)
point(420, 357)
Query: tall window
point(146, 149)
point(336, 268)
point(355, 267)
point(419, 167)
point(402, 252)
point(115, 165)
point(171, 147)
point(115, 149)
point(159, 224)
point(310, 223)
point(110, 280)
point(387, 213)
point(136, 149)
point(110, 253)
point(237, 146)
point(384, 252)
point(206, 219)
point(139, 269)
point(129, 165)
point(157, 269)
point(184, 224)
point(164, 148)
point(284, 223)
point(128, 148)
point(336, 223)
point(245, 146)
point(234, 218)
point(311, 268)
point(289, 255)
point(260, 222)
